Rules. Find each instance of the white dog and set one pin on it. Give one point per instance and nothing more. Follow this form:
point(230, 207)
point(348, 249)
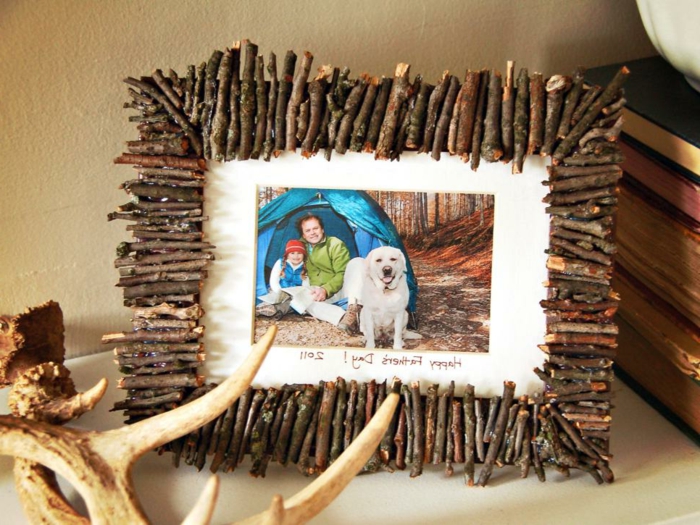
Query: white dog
point(384, 297)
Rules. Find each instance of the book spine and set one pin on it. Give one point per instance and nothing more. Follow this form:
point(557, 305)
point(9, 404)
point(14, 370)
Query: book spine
point(676, 337)
point(667, 183)
point(659, 251)
point(665, 142)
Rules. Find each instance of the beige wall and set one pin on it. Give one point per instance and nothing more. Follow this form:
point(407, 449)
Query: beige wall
point(61, 95)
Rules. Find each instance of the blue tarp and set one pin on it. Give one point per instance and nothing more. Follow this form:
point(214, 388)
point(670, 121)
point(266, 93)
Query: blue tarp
point(350, 215)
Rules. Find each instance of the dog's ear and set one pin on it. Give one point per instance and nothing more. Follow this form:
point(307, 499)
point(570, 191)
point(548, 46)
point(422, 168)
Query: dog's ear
point(370, 258)
point(403, 259)
point(367, 269)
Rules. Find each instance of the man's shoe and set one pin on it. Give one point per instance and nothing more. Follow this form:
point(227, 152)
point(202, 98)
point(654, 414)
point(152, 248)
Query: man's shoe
point(266, 310)
point(350, 322)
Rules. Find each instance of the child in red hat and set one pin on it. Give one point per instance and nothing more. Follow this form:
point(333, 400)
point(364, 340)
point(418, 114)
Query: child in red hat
point(290, 270)
point(287, 272)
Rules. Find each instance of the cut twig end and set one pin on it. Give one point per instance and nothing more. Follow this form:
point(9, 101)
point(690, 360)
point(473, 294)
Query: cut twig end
point(324, 72)
point(402, 69)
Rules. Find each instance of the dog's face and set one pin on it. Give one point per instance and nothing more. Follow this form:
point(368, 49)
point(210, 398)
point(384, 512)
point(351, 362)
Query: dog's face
point(386, 266)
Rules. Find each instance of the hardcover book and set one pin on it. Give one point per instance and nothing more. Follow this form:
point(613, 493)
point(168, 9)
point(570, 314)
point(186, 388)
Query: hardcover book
point(658, 233)
point(662, 111)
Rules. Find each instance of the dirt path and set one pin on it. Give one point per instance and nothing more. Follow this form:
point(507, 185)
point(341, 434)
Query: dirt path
point(452, 310)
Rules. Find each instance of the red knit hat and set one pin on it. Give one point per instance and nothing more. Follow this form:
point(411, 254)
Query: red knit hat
point(294, 246)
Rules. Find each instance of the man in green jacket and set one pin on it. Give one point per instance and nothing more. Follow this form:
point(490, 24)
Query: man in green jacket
point(327, 258)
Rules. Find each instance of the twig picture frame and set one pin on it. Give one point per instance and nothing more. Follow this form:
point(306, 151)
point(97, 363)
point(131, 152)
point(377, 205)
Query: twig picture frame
point(548, 145)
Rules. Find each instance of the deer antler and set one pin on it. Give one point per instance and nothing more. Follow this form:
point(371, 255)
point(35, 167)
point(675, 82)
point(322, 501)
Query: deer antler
point(46, 393)
point(311, 500)
point(41, 496)
point(204, 508)
point(98, 464)
point(137, 439)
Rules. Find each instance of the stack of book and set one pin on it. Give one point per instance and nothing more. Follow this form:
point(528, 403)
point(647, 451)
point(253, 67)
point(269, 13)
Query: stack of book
point(657, 267)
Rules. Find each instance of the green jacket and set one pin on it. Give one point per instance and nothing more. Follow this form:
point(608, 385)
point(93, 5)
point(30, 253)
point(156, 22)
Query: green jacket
point(326, 262)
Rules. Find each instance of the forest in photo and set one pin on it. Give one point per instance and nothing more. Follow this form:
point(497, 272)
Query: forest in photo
point(447, 238)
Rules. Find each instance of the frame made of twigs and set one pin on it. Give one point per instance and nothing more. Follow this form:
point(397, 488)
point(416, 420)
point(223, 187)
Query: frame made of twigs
point(215, 111)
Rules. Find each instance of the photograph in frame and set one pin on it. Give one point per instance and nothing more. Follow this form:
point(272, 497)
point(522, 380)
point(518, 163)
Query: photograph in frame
point(445, 244)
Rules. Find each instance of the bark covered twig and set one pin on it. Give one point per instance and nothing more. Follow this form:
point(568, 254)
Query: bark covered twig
point(491, 146)
point(400, 91)
point(295, 99)
point(220, 121)
point(247, 103)
point(521, 120)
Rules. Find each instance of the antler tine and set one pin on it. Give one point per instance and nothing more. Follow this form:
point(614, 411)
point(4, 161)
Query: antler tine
point(311, 500)
point(204, 508)
point(36, 485)
point(275, 513)
point(27, 439)
point(41, 496)
point(126, 444)
point(67, 409)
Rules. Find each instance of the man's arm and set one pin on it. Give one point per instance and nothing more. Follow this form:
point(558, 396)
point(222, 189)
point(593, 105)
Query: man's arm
point(340, 257)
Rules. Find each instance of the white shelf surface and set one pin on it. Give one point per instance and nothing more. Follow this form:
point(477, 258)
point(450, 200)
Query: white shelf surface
point(657, 472)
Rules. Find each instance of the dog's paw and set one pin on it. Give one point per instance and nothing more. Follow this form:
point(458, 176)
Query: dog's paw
point(398, 345)
point(411, 335)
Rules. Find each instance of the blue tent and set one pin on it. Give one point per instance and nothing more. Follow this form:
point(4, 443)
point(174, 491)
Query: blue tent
point(350, 215)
